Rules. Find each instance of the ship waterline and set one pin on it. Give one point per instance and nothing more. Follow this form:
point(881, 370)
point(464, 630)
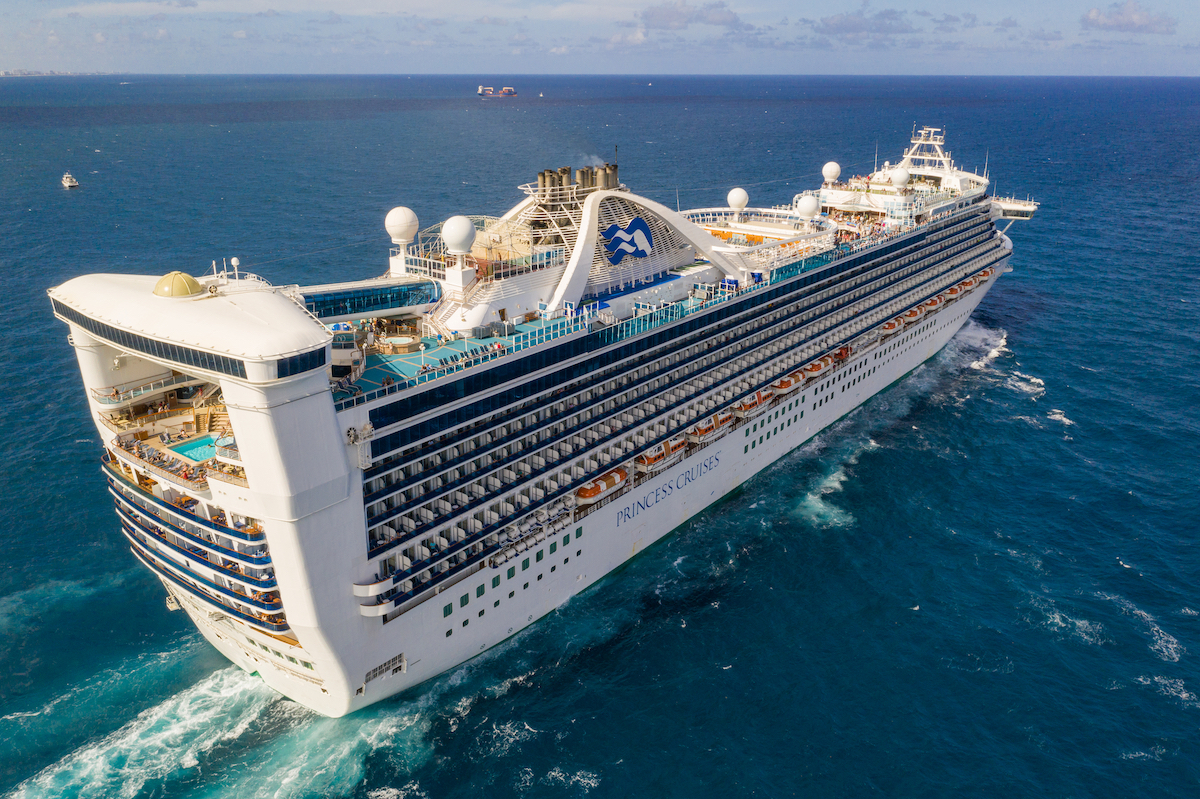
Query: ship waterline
point(389, 476)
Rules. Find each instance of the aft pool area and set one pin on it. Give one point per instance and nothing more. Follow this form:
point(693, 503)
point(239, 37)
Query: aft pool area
point(198, 449)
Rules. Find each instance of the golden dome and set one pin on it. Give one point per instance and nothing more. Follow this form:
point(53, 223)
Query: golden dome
point(177, 284)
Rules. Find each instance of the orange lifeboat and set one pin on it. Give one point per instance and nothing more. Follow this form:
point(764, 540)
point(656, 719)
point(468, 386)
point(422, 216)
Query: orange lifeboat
point(785, 385)
point(754, 405)
point(986, 274)
point(818, 367)
point(967, 284)
point(601, 487)
point(951, 293)
point(893, 325)
point(661, 456)
point(710, 428)
point(843, 353)
point(933, 303)
point(913, 314)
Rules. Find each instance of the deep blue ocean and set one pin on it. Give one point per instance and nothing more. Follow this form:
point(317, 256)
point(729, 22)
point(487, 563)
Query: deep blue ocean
point(982, 583)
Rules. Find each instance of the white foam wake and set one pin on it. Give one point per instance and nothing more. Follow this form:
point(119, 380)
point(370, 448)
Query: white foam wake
point(1162, 643)
point(161, 742)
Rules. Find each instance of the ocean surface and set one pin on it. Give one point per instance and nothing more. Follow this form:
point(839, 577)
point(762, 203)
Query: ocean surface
point(982, 583)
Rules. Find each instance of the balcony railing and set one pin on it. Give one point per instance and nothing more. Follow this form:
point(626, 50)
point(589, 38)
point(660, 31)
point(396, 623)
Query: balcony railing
point(227, 448)
point(273, 623)
point(229, 477)
point(212, 558)
point(114, 395)
point(245, 533)
point(191, 476)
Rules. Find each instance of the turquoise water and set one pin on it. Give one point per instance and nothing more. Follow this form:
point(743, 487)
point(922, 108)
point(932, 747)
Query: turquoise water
point(983, 583)
point(198, 449)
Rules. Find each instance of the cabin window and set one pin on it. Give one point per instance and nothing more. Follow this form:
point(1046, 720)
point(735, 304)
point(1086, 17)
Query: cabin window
point(446, 611)
point(566, 540)
point(496, 581)
point(541, 554)
point(525, 564)
point(512, 572)
point(578, 532)
point(553, 547)
point(479, 590)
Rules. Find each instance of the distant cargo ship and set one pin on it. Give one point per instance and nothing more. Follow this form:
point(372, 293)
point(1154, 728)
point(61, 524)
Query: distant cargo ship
point(488, 91)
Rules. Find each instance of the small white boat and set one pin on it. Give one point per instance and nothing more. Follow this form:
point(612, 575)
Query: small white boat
point(68, 181)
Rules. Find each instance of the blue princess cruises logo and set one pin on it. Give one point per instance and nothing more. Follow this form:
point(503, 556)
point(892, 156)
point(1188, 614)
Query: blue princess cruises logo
point(634, 239)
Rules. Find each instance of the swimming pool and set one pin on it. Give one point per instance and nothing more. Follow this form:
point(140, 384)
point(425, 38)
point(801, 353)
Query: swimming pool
point(198, 449)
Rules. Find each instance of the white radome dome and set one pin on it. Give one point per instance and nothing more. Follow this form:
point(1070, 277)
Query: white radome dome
point(738, 199)
point(459, 234)
point(808, 206)
point(900, 178)
point(401, 224)
point(831, 171)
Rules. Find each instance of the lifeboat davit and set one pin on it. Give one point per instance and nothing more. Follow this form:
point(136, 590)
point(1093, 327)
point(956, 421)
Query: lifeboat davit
point(661, 456)
point(755, 404)
point(710, 428)
point(602, 486)
point(785, 385)
point(913, 314)
point(893, 325)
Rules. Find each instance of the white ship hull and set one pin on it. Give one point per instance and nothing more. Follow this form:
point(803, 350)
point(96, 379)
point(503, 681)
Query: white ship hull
point(611, 534)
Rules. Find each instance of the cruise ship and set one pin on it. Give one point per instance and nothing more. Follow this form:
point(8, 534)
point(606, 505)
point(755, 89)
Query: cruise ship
point(351, 488)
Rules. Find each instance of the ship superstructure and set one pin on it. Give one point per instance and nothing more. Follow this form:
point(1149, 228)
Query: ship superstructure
point(351, 488)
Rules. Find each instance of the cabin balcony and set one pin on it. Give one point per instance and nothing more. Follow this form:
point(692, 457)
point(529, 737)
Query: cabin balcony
point(181, 508)
point(265, 616)
point(253, 570)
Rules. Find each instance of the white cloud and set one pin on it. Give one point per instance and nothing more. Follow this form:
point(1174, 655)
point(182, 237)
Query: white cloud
point(238, 34)
point(861, 24)
point(679, 15)
point(99, 37)
point(1128, 17)
point(638, 37)
point(560, 50)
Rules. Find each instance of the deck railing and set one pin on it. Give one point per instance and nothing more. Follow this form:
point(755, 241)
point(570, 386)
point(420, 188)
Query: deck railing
point(114, 395)
point(641, 324)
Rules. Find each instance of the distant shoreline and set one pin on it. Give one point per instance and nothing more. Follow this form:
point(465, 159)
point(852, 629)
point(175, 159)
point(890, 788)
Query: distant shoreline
point(28, 73)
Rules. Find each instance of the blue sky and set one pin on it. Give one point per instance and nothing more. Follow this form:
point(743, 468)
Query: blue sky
point(499, 37)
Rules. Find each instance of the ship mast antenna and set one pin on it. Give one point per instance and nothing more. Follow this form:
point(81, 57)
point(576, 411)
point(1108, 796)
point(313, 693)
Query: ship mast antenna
point(875, 168)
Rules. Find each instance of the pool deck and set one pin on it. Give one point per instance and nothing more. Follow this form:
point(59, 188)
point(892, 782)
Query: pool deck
point(406, 365)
